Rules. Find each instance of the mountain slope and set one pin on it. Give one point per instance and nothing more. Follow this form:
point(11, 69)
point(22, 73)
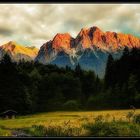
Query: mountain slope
point(18, 52)
point(90, 48)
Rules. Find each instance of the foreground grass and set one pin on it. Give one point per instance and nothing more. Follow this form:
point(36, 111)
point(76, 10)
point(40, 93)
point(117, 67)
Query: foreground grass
point(111, 123)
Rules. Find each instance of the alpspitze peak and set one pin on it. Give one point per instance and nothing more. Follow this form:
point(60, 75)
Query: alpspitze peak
point(10, 46)
point(18, 51)
point(10, 42)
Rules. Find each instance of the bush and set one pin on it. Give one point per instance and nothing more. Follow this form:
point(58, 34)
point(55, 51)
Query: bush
point(4, 132)
point(36, 130)
point(71, 105)
point(39, 130)
point(94, 102)
point(99, 118)
point(117, 128)
point(129, 115)
point(102, 129)
point(136, 118)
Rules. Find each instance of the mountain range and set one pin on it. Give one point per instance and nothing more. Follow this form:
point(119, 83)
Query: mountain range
point(90, 49)
point(18, 52)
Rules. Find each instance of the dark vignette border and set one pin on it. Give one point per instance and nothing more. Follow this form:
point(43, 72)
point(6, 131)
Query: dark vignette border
point(70, 2)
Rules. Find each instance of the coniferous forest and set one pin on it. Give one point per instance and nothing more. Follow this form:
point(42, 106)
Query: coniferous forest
point(30, 87)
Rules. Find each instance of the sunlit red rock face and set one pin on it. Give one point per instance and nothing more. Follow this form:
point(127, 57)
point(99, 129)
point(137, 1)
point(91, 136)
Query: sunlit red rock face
point(62, 41)
point(18, 52)
point(94, 37)
point(90, 49)
point(83, 39)
point(115, 40)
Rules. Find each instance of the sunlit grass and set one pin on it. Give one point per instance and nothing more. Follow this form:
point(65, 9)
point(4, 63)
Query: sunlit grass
point(63, 120)
point(4, 132)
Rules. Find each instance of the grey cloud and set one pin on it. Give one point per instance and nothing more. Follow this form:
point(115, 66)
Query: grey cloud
point(40, 22)
point(5, 32)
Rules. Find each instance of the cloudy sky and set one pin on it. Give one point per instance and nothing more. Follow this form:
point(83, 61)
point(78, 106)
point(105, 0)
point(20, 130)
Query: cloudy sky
point(34, 24)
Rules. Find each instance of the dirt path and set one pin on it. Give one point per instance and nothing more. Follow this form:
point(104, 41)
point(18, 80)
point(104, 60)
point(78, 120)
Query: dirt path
point(16, 132)
point(19, 133)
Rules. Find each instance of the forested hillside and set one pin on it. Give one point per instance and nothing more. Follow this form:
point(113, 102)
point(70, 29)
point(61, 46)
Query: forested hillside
point(30, 87)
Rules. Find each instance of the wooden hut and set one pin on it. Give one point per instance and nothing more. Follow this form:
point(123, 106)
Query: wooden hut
point(9, 114)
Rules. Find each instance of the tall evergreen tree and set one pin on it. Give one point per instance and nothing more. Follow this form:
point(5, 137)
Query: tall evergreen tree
point(78, 70)
point(109, 72)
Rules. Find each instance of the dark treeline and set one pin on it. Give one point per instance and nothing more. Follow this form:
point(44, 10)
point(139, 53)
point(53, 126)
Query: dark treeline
point(30, 87)
point(122, 79)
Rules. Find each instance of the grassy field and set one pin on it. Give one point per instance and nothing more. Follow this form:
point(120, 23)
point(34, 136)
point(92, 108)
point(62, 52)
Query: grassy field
point(69, 123)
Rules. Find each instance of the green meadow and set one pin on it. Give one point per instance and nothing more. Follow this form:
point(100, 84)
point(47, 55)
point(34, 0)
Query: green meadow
point(77, 123)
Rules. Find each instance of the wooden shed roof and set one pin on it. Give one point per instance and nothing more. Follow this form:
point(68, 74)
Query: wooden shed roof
point(7, 111)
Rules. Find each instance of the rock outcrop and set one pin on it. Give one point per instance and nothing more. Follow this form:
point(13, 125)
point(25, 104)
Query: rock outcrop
point(18, 52)
point(90, 48)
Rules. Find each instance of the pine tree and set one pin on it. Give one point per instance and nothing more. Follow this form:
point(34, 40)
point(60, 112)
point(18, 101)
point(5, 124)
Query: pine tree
point(109, 71)
point(78, 70)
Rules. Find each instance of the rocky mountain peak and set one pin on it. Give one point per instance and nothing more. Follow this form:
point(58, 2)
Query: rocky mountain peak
point(17, 51)
point(62, 41)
